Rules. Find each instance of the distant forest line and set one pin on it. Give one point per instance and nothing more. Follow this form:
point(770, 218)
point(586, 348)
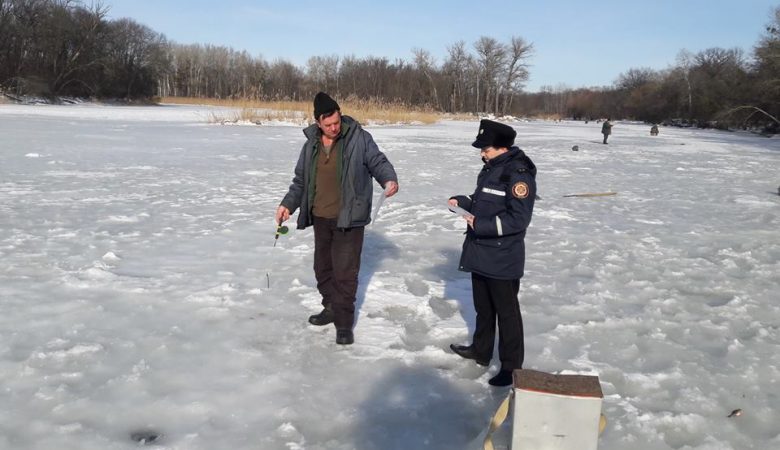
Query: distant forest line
point(58, 48)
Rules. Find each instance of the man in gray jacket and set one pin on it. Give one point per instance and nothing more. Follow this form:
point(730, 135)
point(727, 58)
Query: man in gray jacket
point(333, 189)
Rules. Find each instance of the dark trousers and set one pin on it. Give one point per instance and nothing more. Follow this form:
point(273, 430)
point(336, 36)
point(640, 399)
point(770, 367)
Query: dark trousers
point(336, 267)
point(497, 299)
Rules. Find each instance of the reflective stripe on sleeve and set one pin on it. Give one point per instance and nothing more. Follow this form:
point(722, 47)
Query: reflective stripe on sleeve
point(493, 191)
point(499, 227)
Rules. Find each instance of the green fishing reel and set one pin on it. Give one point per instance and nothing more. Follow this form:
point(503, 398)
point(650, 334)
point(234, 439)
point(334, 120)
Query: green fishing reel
point(280, 230)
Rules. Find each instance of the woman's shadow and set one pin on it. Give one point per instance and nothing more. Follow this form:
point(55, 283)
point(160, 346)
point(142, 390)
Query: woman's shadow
point(415, 407)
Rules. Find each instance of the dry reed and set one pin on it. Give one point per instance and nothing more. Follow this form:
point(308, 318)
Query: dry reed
point(365, 111)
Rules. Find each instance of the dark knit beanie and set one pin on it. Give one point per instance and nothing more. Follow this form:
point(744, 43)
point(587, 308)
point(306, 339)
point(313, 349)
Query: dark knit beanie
point(323, 104)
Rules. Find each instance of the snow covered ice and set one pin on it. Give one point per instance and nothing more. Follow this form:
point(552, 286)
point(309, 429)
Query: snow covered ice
point(136, 247)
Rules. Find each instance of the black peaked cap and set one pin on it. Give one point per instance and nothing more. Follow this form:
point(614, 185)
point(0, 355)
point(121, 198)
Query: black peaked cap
point(494, 134)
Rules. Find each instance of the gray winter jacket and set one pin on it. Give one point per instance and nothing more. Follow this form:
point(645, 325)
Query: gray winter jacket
point(361, 160)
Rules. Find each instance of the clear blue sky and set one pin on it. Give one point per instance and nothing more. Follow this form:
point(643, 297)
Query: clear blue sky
point(577, 43)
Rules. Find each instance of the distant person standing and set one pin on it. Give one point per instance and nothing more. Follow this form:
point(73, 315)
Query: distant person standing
point(333, 189)
point(606, 129)
point(654, 130)
point(494, 249)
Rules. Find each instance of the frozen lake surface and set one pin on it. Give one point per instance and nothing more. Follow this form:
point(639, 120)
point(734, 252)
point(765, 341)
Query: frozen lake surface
point(136, 253)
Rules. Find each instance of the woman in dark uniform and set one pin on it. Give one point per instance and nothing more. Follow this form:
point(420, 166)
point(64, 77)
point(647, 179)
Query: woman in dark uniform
point(500, 210)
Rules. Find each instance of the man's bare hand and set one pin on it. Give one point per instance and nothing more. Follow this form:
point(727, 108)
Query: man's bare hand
point(391, 187)
point(282, 215)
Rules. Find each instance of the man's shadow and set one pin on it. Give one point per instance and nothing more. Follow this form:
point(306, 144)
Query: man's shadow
point(376, 249)
point(457, 285)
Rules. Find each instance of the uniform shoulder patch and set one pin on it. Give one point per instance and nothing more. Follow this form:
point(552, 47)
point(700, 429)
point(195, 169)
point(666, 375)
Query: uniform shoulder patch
point(520, 190)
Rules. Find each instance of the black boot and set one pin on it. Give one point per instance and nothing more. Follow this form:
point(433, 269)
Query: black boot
point(344, 337)
point(323, 318)
point(502, 378)
point(467, 351)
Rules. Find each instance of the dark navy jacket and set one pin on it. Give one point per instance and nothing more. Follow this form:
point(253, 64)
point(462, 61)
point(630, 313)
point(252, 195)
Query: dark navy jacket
point(502, 206)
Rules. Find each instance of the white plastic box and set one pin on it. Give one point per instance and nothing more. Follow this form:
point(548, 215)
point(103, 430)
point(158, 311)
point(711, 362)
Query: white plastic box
point(555, 412)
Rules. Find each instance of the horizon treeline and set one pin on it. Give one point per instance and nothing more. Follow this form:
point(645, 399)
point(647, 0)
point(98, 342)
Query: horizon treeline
point(57, 48)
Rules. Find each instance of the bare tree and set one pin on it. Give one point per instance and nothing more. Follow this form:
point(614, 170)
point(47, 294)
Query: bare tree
point(424, 63)
point(516, 70)
point(284, 80)
point(767, 53)
point(330, 71)
point(635, 78)
point(685, 62)
point(490, 60)
point(455, 69)
point(74, 38)
point(136, 57)
point(315, 73)
point(322, 74)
